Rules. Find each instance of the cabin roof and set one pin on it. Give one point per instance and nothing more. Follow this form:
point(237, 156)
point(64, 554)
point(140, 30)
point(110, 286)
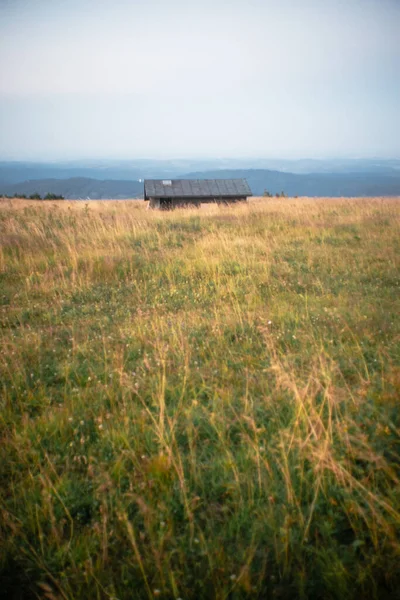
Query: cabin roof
point(196, 188)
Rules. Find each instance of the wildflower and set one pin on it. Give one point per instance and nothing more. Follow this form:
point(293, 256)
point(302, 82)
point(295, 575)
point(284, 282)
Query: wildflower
point(232, 577)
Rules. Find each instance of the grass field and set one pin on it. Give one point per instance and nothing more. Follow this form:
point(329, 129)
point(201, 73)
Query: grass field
point(202, 403)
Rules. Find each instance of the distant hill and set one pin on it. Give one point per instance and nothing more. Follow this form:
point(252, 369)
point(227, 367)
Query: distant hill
point(312, 184)
point(18, 171)
point(77, 188)
point(368, 183)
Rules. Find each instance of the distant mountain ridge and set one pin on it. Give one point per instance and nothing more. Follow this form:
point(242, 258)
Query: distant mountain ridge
point(312, 184)
point(381, 180)
point(76, 188)
point(104, 170)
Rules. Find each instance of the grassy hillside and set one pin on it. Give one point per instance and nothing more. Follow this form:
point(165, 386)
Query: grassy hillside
point(202, 403)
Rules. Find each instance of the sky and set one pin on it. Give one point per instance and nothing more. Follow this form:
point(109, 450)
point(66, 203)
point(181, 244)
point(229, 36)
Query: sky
point(199, 78)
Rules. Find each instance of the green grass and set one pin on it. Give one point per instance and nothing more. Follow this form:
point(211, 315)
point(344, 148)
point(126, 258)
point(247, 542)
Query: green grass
point(200, 404)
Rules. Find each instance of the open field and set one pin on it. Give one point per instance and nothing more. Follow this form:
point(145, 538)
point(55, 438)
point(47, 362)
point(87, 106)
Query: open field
point(201, 403)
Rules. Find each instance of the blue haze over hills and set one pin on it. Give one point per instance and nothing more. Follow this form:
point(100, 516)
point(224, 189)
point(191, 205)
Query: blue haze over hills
point(124, 179)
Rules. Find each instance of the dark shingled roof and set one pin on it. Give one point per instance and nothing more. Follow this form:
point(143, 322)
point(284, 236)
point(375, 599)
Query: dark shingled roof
point(196, 188)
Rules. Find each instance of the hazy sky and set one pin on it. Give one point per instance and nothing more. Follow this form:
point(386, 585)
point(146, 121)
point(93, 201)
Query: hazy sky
point(185, 78)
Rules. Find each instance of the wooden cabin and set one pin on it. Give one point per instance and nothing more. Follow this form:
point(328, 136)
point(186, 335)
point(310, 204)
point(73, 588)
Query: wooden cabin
point(171, 193)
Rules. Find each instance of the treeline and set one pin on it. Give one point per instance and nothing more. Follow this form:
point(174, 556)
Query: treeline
point(35, 196)
point(268, 194)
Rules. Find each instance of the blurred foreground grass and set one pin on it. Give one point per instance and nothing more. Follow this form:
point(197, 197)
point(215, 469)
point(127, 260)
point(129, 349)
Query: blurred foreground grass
point(200, 404)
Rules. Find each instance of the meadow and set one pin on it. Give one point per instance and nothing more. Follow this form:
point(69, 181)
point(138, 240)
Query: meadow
point(200, 404)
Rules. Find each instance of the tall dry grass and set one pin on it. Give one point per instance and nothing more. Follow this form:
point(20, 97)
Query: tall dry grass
point(202, 403)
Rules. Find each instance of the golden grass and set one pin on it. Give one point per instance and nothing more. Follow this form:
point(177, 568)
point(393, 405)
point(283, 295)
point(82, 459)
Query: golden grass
point(200, 403)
